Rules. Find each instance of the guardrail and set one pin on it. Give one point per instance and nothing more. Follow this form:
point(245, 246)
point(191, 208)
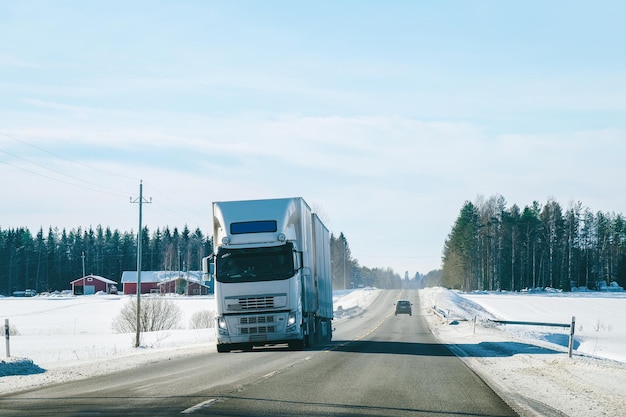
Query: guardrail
point(571, 326)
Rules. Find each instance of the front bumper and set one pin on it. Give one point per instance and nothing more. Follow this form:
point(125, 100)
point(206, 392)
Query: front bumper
point(258, 328)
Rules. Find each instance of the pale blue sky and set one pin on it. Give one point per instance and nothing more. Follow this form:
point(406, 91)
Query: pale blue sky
point(386, 116)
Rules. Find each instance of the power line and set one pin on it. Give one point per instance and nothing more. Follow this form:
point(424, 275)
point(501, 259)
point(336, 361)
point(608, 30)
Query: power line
point(75, 181)
point(173, 208)
point(66, 158)
point(47, 168)
point(117, 192)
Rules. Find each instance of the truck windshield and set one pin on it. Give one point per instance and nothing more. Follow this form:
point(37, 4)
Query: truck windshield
point(254, 264)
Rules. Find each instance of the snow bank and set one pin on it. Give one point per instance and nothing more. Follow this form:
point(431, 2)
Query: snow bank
point(529, 365)
point(19, 366)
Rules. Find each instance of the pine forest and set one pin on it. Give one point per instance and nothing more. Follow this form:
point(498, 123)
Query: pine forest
point(50, 260)
point(492, 247)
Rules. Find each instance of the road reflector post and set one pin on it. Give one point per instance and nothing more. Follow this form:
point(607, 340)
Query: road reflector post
point(571, 337)
point(6, 337)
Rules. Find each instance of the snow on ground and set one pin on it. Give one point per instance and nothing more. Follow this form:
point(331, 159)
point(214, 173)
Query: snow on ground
point(67, 338)
point(62, 338)
point(529, 365)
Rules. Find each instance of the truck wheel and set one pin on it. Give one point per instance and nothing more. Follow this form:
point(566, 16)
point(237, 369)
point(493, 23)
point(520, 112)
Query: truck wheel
point(223, 348)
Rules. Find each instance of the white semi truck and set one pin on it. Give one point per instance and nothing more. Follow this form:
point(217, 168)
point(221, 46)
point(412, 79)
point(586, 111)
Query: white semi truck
point(271, 266)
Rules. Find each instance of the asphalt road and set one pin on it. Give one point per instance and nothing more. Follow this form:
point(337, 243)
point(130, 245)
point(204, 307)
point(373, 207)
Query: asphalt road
point(377, 365)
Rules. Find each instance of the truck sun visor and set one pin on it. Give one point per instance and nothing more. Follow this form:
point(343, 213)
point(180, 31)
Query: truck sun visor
point(257, 226)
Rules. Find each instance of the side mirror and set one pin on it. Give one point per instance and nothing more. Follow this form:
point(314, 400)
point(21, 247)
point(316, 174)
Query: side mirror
point(208, 268)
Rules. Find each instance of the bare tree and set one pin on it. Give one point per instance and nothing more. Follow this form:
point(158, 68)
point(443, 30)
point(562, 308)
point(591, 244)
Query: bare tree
point(155, 314)
point(204, 319)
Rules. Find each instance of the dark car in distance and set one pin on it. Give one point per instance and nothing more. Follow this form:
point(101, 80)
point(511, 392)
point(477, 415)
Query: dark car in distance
point(403, 307)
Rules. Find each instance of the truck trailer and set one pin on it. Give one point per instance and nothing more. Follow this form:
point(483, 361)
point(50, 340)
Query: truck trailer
point(271, 266)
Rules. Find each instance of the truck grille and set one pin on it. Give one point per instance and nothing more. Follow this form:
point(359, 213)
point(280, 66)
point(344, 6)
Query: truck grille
point(253, 303)
point(257, 324)
point(256, 319)
point(259, 302)
point(258, 329)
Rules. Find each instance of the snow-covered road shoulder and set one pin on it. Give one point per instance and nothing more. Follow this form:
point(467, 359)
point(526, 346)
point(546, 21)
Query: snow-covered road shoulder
point(534, 375)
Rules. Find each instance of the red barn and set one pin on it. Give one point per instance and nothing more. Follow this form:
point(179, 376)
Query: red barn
point(165, 282)
point(91, 284)
point(186, 283)
point(149, 282)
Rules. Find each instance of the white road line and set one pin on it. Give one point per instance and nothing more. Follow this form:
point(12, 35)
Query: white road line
point(200, 406)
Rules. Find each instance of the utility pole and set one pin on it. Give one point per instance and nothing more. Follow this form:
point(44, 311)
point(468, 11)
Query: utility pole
point(345, 281)
point(83, 256)
point(140, 201)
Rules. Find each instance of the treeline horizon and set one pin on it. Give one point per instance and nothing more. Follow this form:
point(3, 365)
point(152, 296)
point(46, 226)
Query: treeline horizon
point(492, 247)
point(49, 261)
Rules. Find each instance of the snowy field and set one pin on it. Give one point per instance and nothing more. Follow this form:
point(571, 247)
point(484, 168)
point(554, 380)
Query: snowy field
point(527, 365)
point(61, 338)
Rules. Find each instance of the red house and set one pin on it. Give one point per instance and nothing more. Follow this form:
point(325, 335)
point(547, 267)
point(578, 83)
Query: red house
point(91, 284)
point(186, 283)
point(162, 282)
point(149, 282)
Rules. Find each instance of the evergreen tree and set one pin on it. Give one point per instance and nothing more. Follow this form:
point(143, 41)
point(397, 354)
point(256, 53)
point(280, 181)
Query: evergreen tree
point(493, 248)
point(460, 253)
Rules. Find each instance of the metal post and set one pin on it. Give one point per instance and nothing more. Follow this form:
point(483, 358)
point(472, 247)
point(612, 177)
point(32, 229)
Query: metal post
point(571, 337)
point(6, 336)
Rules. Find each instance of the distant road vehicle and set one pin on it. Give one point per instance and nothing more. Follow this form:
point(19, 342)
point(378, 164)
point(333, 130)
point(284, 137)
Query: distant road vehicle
point(25, 293)
point(404, 307)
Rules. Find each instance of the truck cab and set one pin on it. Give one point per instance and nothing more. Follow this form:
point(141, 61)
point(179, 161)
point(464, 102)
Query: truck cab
point(272, 274)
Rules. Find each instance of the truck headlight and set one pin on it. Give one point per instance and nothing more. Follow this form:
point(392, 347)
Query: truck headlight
point(221, 323)
point(291, 320)
point(222, 327)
